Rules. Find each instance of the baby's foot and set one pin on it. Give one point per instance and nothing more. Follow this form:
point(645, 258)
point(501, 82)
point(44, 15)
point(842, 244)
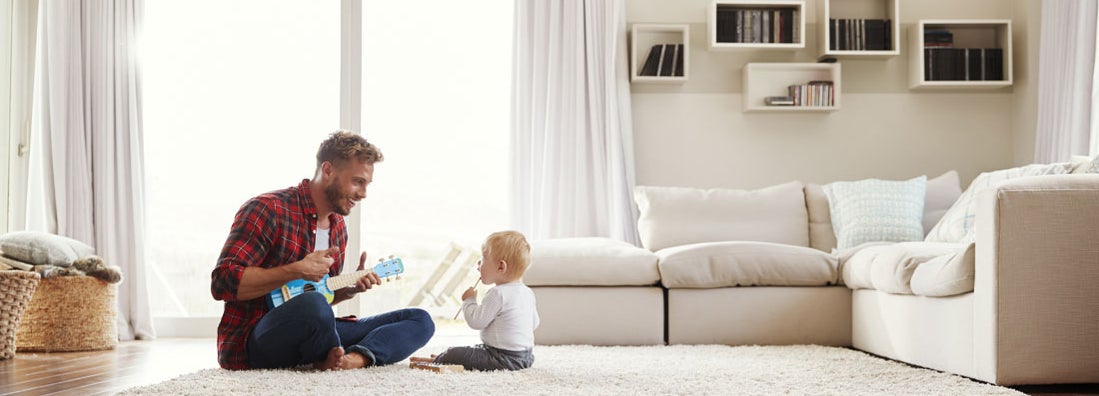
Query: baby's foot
point(332, 361)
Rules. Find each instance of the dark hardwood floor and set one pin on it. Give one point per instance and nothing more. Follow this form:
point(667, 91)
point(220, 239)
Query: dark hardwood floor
point(105, 372)
point(138, 363)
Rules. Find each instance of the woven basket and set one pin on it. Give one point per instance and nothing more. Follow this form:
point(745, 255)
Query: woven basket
point(16, 288)
point(70, 313)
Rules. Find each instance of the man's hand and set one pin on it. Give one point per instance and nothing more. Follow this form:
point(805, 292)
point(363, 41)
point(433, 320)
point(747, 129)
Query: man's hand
point(315, 265)
point(470, 292)
point(363, 284)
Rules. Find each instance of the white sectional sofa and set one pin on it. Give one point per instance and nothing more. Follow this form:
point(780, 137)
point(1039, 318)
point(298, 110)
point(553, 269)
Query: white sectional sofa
point(1017, 306)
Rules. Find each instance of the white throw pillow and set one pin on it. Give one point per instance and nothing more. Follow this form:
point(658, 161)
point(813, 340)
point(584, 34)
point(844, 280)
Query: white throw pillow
point(1094, 165)
point(676, 216)
point(942, 191)
point(37, 248)
point(957, 224)
point(875, 210)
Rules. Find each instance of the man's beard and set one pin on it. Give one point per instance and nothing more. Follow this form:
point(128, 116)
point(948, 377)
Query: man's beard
point(335, 198)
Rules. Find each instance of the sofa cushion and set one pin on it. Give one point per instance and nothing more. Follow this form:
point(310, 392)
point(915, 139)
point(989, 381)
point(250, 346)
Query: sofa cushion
point(37, 248)
point(945, 275)
point(876, 210)
point(676, 216)
point(590, 262)
point(957, 224)
point(889, 267)
point(739, 263)
point(942, 191)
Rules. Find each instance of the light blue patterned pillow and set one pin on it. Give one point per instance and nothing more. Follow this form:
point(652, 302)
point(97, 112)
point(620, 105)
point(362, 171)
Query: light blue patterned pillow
point(957, 224)
point(875, 210)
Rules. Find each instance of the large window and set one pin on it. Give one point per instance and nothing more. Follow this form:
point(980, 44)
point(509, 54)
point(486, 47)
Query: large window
point(239, 94)
point(436, 99)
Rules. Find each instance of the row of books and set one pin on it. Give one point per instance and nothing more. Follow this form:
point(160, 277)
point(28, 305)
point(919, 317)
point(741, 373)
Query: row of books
point(860, 34)
point(814, 93)
point(664, 60)
point(938, 38)
point(757, 25)
point(963, 64)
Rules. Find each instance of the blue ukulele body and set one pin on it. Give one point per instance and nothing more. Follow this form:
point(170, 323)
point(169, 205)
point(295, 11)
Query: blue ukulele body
point(329, 284)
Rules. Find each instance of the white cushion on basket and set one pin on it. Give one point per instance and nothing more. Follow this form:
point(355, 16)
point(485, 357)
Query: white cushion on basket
point(43, 248)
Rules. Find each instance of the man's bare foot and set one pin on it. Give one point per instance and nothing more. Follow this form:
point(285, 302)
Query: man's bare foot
point(332, 361)
point(352, 360)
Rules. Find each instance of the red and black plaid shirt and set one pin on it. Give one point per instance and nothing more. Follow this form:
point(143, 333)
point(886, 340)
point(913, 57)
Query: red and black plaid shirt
point(271, 230)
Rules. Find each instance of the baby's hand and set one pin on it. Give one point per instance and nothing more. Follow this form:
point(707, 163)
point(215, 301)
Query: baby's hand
point(470, 292)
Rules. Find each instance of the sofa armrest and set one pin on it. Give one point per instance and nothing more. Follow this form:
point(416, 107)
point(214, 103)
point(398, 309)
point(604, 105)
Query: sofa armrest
point(1036, 292)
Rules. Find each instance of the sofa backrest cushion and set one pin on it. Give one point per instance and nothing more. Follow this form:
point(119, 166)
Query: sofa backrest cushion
point(941, 193)
point(956, 226)
point(589, 262)
point(676, 216)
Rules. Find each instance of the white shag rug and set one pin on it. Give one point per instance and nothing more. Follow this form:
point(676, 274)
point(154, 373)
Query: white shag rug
point(588, 370)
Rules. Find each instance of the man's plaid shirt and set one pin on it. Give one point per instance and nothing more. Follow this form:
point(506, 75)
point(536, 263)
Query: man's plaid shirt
point(271, 230)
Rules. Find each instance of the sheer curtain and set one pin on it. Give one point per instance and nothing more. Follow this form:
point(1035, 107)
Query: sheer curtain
point(1066, 80)
point(91, 139)
point(572, 138)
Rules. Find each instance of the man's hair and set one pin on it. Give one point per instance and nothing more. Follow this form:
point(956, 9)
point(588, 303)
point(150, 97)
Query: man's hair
point(510, 246)
point(343, 145)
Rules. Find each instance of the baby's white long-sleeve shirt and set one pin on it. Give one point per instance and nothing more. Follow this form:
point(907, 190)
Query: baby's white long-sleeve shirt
point(506, 317)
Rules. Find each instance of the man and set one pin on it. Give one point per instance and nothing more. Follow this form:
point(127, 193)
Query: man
point(299, 233)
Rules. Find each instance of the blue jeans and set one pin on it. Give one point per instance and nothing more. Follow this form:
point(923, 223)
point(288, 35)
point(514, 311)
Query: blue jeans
point(304, 329)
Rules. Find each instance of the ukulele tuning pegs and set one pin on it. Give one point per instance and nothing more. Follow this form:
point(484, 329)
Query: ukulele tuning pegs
point(391, 257)
point(380, 259)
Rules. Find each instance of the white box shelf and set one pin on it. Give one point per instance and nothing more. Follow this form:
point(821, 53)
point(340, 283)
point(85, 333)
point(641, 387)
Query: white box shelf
point(797, 30)
point(967, 33)
point(773, 79)
point(858, 9)
point(642, 39)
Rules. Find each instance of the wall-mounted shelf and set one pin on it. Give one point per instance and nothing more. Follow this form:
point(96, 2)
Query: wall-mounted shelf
point(945, 67)
point(667, 45)
point(749, 24)
point(845, 37)
point(762, 80)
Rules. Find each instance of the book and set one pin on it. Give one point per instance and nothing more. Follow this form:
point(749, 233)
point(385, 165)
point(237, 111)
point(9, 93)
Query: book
point(660, 60)
point(652, 62)
point(778, 101)
point(679, 60)
point(667, 60)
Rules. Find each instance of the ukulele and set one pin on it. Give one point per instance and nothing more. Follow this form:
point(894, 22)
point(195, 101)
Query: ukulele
point(328, 285)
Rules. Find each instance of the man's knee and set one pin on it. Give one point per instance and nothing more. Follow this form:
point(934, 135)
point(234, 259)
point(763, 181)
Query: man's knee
point(312, 306)
point(421, 316)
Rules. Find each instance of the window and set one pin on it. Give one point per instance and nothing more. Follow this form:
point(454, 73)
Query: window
point(436, 99)
point(237, 96)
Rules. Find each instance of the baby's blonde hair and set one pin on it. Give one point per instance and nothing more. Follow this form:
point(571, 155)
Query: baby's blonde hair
point(510, 246)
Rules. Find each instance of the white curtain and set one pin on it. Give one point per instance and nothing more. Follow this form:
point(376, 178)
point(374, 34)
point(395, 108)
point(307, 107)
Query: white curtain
point(90, 123)
point(22, 30)
point(571, 124)
point(1066, 70)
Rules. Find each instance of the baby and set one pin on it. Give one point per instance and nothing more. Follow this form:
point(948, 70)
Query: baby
point(506, 316)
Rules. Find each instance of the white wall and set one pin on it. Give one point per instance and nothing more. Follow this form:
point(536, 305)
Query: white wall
point(695, 134)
